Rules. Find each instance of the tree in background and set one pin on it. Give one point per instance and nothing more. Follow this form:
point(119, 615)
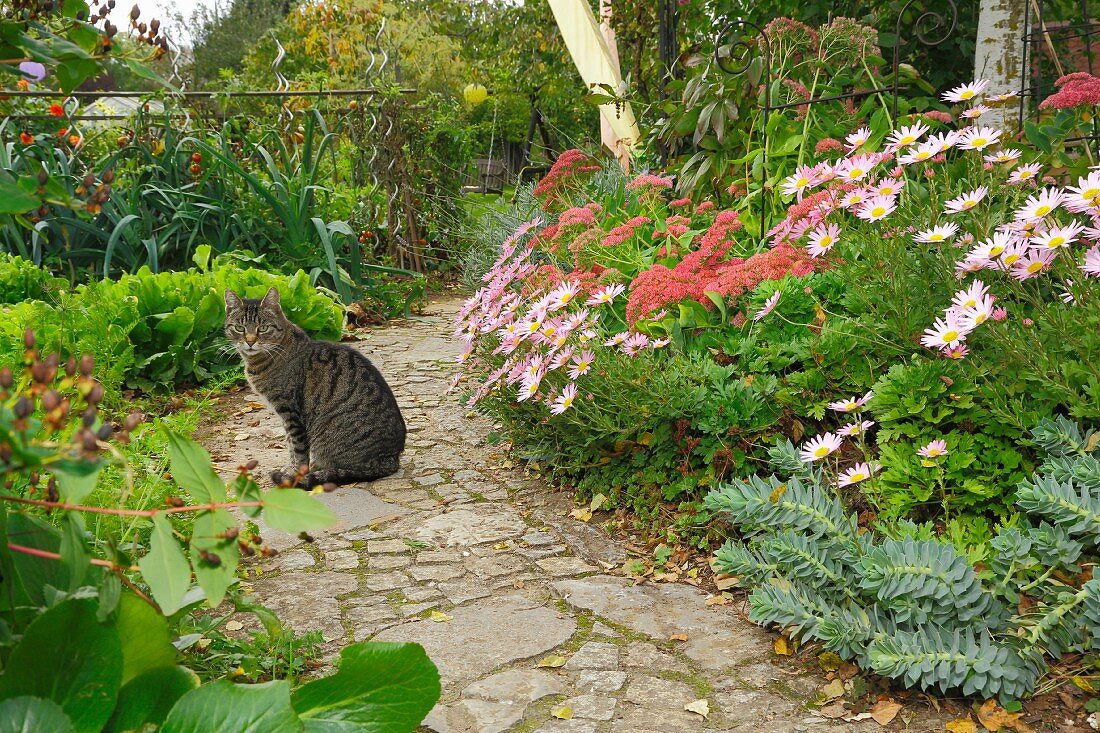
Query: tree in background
point(221, 36)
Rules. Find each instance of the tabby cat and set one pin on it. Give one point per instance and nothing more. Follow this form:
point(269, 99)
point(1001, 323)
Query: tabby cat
point(340, 416)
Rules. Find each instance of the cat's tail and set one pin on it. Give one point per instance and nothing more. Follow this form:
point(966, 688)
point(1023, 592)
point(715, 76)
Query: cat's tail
point(372, 470)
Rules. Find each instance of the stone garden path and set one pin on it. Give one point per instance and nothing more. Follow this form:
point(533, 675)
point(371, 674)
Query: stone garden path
point(485, 569)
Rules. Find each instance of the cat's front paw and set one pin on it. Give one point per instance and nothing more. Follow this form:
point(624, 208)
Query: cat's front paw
point(288, 477)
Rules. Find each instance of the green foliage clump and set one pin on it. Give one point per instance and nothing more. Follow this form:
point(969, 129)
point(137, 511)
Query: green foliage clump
point(21, 280)
point(911, 608)
point(159, 329)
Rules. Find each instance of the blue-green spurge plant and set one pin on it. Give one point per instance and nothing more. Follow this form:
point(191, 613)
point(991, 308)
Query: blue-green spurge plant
point(905, 604)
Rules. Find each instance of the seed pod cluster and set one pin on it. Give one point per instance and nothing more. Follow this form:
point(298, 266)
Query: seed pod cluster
point(43, 396)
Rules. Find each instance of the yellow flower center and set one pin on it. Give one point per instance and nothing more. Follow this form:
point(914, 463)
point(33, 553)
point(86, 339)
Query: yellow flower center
point(1042, 210)
point(1057, 241)
point(922, 155)
point(1034, 267)
point(968, 94)
point(825, 242)
point(802, 182)
point(907, 140)
point(822, 451)
point(855, 173)
point(994, 251)
point(980, 318)
point(937, 237)
point(878, 211)
point(969, 204)
point(859, 476)
point(979, 142)
point(933, 452)
point(950, 336)
point(1009, 259)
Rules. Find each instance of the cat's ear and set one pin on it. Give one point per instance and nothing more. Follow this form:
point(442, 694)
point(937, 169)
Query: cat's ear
point(271, 300)
point(232, 300)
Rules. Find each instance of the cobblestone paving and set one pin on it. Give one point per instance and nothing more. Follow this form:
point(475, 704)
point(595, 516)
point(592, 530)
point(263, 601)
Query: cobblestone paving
point(487, 572)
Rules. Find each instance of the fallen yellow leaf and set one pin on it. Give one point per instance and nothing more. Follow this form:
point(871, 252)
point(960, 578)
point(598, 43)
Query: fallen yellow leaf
point(994, 717)
point(884, 711)
point(833, 690)
point(233, 626)
point(597, 501)
point(678, 637)
point(727, 582)
point(1083, 682)
point(961, 725)
point(781, 646)
point(581, 514)
point(439, 617)
point(716, 601)
point(500, 546)
point(699, 707)
point(779, 491)
point(554, 660)
point(562, 713)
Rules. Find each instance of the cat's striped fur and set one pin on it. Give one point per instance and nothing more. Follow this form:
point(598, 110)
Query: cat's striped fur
point(340, 416)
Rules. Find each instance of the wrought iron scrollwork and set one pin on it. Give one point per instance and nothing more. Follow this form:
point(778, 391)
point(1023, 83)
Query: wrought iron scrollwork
point(725, 51)
point(929, 21)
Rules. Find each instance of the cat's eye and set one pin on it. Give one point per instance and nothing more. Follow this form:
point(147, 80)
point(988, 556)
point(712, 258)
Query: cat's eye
point(263, 329)
point(237, 328)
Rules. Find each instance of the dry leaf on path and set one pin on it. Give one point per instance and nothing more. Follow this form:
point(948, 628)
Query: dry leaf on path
point(833, 690)
point(241, 436)
point(699, 707)
point(994, 717)
point(884, 711)
point(716, 601)
point(961, 725)
point(439, 617)
point(583, 514)
point(233, 626)
point(678, 637)
point(833, 710)
point(554, 660)
point(597, 501)
point(563, 713)
point(727, 582)
point(782, 647)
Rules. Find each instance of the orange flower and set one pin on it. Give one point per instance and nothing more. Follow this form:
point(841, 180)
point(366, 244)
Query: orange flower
point(26, 138)
point(57, 110)
point(63, 132)
point(23, 85)
point(74, 140)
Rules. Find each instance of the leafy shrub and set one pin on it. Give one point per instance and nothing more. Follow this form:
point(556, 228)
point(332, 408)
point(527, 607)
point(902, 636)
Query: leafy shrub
point(909, 607)
point(21, 280)
point(80, 652)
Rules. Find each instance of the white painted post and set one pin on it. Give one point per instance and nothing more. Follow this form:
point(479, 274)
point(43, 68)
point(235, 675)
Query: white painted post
point(999, 53)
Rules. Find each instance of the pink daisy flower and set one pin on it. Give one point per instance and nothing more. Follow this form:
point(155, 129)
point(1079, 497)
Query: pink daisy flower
point(817, 448)
point(1091, 264)
point(904, 136)
point(974, 138)
point(877, 208)
point(582, 362)
point(565, 399)
point(938, 233)
point(769, 306)
point(966, 92)
point(1033, 263)
point(822, 239)
point(855, 474)
point(945, 333)
point(605, 294)
point(934, 449)
point(856, 428)
point(966, 201)
point(851, 404)
point(1026, 172)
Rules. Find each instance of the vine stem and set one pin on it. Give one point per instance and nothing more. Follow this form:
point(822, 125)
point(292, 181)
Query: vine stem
point(118, 570)
point(129, 512)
